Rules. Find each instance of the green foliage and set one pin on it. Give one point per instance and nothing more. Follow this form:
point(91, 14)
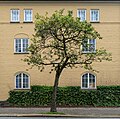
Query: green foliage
point(67, 96)
point(57, 42)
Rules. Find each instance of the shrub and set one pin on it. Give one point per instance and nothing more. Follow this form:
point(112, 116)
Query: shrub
point(67, 96)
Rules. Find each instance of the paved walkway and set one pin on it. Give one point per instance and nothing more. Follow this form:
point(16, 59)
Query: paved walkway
point(85, 112)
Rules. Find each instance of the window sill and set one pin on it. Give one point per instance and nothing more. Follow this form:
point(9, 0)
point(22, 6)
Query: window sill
point(88, 88)
point(28, 22)
point(21, 53)
point(88, 52)
point(94, 21)
point(15, 22)
point(21, 89)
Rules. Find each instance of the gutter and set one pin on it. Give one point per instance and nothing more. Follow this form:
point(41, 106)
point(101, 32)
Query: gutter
point(59, 115)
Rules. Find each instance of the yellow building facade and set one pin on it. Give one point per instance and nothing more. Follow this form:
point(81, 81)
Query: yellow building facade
point(17, 26)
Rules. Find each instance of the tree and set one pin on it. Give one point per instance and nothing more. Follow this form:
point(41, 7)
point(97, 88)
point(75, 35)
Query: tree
point(57, 42)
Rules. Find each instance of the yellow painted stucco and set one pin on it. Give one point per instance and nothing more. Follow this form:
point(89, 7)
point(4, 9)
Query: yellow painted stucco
point(11, 63)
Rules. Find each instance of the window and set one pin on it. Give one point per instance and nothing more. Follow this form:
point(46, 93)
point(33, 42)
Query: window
point(15, 14)
point(81, 13)
point(94, 15)
point(28, 15)
point(21, 45)
point(89, 46)
point(88, 81)
point(22, 81)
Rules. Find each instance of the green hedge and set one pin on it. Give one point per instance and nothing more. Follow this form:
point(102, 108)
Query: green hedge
point(67, 96)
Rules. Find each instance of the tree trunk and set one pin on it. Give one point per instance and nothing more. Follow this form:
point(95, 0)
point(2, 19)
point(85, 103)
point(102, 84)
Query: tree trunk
point(57, 76)
point(53, 103)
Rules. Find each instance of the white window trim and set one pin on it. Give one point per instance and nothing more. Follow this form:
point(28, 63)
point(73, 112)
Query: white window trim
point(31, 15)
point(21, 46)
point(78, 13)
point(88, 82)
point(89, 51)
point(98, 15)
point(22, 81)
point(11, 20)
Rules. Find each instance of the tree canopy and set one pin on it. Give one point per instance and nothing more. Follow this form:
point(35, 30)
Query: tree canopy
point(60, 41)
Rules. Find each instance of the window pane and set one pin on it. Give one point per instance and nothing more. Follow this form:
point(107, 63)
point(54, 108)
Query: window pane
point(85, 81)
point(25, 81)
point(18, 81)
point(14, 15)
point(21, 45)
point(91, 81)
point(85, 47)
point(22, 81)
point(88, 81)
point(18, 45)
point(28, 15)
point(25, 45)
point(94, 15)
point(89, 45)
point(92, 45)
point(82, 15)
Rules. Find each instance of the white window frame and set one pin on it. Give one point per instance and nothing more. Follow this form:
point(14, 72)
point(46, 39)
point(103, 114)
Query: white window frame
point(88, 83)
point(12, 20)
point(78, 15)
point(92, 20)
point(89, 51)
point(22, 81)
point(21, 45)
point(31, 20)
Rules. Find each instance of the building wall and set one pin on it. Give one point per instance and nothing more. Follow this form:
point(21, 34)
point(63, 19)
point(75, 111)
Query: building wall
point(10, 63)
